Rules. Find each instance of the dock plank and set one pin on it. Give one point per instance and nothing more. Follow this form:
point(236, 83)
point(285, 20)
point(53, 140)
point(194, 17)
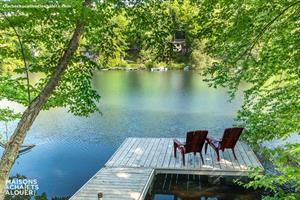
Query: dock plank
point(119, 157)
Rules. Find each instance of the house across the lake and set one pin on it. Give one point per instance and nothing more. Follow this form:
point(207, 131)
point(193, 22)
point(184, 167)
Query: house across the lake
point(179, 42)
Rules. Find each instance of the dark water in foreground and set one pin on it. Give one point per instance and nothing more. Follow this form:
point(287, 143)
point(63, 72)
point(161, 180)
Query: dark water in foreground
point(142, 104)
point(193, 187)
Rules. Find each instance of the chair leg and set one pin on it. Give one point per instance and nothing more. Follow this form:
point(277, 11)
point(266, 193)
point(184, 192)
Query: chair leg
point(175, 148)
point(206, 147)
point(202, 158)
point(218, 154)
point(234, 153)
point(183, 158)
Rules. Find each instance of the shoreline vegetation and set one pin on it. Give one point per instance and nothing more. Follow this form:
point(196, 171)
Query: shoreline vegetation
point(138, 67)
point(196, 60)
point(143, 67)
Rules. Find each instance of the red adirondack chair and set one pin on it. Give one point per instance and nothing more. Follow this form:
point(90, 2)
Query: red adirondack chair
point(228, 141)
point(194, 143)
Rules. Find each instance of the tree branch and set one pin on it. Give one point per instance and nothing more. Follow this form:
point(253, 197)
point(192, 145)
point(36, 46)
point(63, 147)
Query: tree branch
point(11, 151)
point(23, 55)
point(265, 28)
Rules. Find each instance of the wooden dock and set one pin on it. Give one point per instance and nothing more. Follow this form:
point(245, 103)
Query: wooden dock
point(129, 172)
point(117, 183)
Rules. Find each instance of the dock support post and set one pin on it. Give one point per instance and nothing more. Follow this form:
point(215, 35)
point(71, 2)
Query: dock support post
point(100, 196)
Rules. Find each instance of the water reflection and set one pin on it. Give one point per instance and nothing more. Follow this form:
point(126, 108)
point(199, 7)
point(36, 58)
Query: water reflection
point(142, 104)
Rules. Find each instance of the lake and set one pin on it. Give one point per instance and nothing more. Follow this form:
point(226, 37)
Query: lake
point(141, 104)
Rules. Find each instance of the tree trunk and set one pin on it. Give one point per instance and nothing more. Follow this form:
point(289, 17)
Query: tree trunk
point(16, 140)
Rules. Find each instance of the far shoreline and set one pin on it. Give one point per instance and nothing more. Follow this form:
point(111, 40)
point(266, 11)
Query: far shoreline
point(152, 69)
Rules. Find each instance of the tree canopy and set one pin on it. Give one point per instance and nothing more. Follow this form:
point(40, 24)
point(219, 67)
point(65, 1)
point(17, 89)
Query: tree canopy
point(257, 42)
point(258, 45)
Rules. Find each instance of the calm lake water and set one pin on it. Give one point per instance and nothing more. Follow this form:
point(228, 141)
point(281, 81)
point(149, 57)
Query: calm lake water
point(142, 104)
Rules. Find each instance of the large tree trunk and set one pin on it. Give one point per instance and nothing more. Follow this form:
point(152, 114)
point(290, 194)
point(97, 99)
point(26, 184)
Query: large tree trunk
point(16, 140)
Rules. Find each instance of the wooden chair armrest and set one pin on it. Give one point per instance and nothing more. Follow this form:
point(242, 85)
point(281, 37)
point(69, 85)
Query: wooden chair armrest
point(179, 145)
point(211, 140)
point(177, 142)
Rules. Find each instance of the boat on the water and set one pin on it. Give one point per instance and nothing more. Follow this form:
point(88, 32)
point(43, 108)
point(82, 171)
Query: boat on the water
point(159, 69)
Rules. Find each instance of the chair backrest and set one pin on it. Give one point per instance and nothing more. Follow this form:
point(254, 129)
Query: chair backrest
point(195, 140)
point(230, 137)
